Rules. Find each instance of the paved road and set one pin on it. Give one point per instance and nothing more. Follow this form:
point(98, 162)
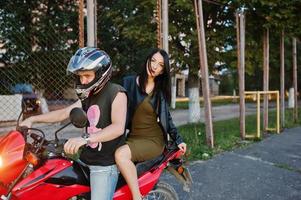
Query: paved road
point(267, 170)
point(180, 117)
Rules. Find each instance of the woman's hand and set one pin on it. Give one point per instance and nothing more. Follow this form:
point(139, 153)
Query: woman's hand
point(182, 147)
point(72, 145)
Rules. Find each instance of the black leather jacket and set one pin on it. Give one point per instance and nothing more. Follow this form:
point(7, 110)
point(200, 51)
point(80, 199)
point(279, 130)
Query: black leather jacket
point(159, 104)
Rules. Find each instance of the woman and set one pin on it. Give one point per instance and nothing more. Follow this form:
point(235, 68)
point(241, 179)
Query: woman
point(148, 116)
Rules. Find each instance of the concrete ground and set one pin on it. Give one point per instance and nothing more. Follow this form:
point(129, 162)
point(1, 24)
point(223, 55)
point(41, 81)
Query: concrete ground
point(267, 170)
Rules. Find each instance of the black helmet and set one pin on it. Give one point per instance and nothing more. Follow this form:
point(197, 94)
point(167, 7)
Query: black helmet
point(89, 58)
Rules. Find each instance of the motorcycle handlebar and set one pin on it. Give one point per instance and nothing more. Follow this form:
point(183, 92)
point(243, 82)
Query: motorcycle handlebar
point(22, 129)
point(26, 131)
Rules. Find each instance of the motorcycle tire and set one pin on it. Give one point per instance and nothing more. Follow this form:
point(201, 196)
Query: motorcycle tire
point(85, 196)
point(162, 191)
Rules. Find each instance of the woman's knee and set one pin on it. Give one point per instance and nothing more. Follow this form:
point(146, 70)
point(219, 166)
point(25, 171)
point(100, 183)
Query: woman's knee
point(123, 153)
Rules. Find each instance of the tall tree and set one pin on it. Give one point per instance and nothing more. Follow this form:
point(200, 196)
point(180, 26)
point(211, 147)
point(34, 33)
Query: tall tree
point(128, 31)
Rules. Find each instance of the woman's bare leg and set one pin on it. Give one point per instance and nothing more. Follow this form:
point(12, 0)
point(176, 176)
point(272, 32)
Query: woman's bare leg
point(128, 170)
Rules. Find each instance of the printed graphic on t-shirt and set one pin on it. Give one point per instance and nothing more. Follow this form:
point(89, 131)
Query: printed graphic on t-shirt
point(93, 115)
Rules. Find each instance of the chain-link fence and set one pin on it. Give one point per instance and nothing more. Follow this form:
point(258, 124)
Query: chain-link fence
point(36, 42)
point(38, 37)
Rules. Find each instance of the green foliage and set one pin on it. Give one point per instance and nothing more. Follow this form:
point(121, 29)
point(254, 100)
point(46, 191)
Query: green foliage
point(227, 84)
point(39, 38)
point(219, 34)
point(276, 15)
point(127, 30)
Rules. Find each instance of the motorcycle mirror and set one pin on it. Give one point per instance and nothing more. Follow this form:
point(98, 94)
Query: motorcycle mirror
point(78, 117)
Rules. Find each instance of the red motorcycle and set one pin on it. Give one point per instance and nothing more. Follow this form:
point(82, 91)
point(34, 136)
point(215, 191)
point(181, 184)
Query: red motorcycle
point(34, 168)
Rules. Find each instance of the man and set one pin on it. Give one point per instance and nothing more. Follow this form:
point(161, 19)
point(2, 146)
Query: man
point(106, 105)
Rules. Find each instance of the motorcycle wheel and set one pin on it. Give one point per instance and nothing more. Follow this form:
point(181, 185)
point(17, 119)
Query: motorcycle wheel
point(80, 197)
point(162, 191)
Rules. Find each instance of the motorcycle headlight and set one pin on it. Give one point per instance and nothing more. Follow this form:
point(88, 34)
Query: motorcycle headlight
point(1, 162)
point(38, 102)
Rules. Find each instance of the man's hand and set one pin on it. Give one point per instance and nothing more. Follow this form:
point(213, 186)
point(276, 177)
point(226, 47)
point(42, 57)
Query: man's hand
point(72, 145)
point(182, 147)
point(27, 122)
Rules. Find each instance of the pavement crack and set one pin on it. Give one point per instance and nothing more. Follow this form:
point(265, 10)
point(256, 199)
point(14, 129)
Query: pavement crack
point(254, 158)
point(279, 165)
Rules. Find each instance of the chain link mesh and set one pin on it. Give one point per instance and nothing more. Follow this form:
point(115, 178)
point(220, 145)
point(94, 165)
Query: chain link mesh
point(34, 56)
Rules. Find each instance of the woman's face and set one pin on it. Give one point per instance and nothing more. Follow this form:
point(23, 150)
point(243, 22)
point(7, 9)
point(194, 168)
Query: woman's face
point(156, 66)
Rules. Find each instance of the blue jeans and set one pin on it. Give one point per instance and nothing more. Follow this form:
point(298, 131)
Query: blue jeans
point(103, 180)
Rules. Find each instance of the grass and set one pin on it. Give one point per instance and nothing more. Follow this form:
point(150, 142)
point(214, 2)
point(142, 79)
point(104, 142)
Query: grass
point(226, 134)
point(226, 138)
point(285, 166)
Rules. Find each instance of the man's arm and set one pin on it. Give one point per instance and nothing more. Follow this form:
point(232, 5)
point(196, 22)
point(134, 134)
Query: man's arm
point(118, 117)
point(53, 116)
point(114, 130)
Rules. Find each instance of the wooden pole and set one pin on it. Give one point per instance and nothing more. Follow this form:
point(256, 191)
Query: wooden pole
point(81, 37)
point(204, 72)
point(295, 81)
point(91, 23)
point(282, 90)
point(258, 115)
point(278, 113)
point(166, 48)
point(165, 25)
point(265, 78)
point(159, 24)
point(240, 31)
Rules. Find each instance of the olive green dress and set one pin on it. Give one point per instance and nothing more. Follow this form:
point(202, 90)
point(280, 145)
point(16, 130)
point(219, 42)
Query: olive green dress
point(146, 138)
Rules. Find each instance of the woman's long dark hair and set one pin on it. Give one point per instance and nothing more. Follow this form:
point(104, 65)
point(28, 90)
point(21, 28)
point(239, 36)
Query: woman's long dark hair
point(162, 82)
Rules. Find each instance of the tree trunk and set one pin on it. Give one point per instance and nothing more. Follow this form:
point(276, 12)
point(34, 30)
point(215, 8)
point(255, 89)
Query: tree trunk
point(194, 98)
